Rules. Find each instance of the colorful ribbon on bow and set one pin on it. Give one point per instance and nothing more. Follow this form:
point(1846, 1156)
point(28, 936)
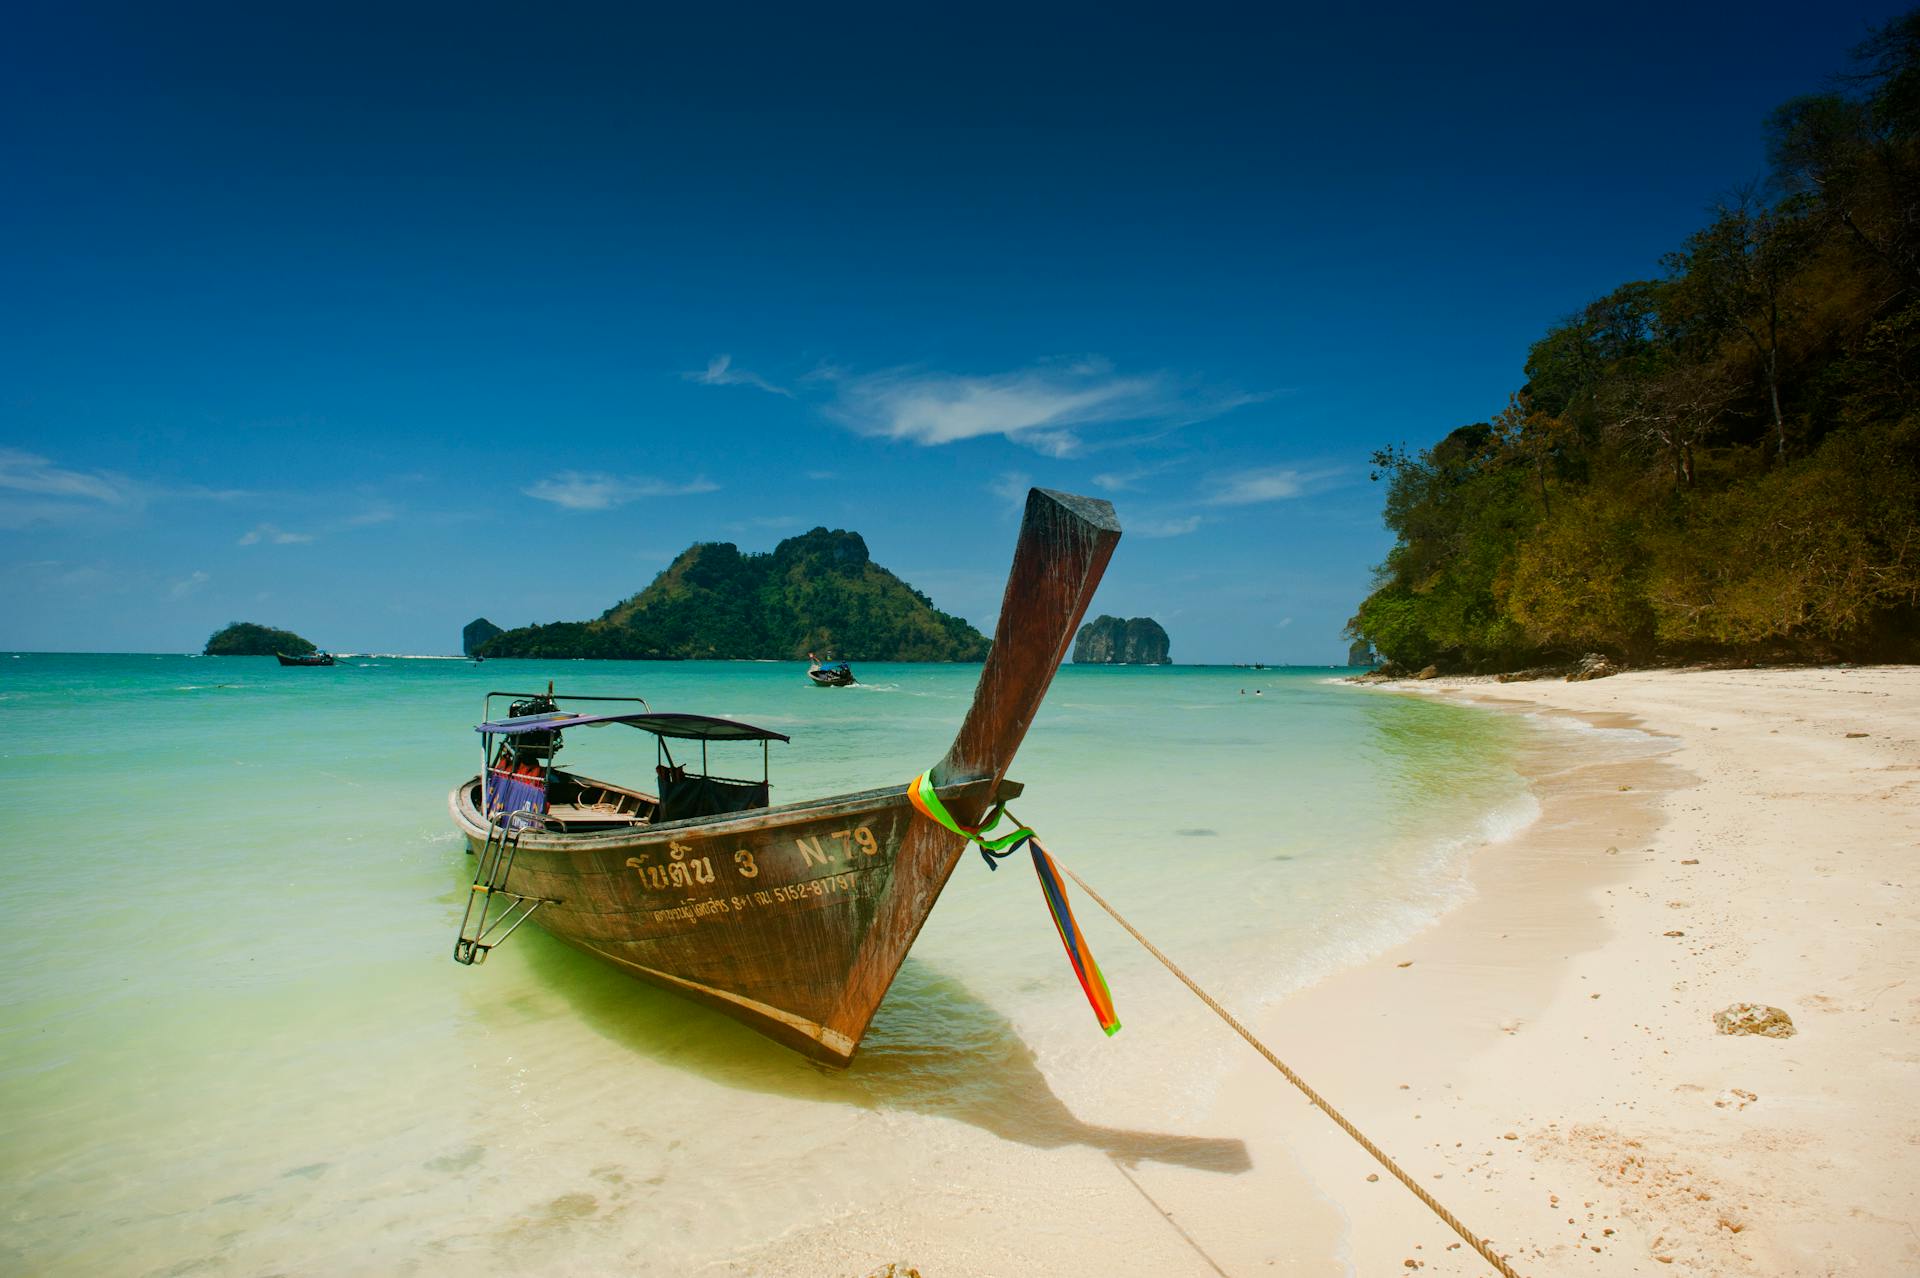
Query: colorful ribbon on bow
point(926, 801)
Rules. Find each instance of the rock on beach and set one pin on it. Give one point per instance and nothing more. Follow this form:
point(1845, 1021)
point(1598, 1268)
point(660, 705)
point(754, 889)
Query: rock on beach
point(1754, 1018)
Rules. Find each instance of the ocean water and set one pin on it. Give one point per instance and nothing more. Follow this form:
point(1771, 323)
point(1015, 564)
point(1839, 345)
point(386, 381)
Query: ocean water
point(233, 1039)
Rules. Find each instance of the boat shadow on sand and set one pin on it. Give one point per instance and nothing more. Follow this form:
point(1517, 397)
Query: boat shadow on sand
point(934, 1048)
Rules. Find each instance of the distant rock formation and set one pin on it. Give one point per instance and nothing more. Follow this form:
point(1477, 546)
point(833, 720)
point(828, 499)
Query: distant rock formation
point(247, 639)
point(818, 592)
point(1109, 641)
point(1362, 654)
point(477, 632)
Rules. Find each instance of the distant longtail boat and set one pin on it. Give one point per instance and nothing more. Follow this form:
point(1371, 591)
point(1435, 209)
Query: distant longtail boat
point(317, 659)
point(793, 919)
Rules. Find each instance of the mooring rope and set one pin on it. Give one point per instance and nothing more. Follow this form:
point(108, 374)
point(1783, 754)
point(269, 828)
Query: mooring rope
point(925, 799)
point(1320, 1102)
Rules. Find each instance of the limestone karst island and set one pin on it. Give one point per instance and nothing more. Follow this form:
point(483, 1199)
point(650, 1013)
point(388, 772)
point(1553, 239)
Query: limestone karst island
point(819, 592)
point(475, 635)
point(1110, 641)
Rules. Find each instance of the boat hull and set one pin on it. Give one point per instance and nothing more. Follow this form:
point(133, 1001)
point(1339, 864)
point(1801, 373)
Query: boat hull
point(795, 919)
point(792, 919)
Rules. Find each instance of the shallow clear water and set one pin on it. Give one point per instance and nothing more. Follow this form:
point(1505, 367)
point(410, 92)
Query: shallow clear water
point(233, 1039)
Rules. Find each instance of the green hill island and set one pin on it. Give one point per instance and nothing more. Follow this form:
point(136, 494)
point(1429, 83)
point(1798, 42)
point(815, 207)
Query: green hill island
point(248, 639)
point(818, 592)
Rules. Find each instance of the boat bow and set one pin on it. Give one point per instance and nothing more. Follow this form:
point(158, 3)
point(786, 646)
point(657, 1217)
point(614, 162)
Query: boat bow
point(1065, 543)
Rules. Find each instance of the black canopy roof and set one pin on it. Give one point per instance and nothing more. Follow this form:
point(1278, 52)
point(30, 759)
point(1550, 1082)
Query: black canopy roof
point(679, 727)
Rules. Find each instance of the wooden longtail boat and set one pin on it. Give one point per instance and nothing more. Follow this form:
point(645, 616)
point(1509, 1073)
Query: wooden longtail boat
point(317, 659)
point(793, 919)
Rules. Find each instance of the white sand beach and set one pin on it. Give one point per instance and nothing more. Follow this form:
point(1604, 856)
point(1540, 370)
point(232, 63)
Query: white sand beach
point(1545, 1059)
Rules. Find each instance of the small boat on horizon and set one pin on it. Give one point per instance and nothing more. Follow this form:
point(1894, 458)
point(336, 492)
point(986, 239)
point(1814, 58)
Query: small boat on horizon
point(793, 918)
point(316, 659)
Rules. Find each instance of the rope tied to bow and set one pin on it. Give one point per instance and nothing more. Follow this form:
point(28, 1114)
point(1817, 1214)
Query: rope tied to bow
point(921, 794)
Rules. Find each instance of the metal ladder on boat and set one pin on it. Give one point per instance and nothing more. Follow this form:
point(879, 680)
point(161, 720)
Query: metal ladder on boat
point(482, 928)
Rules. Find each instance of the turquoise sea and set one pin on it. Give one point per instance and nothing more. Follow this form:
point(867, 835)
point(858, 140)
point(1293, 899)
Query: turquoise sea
point(234, 1040)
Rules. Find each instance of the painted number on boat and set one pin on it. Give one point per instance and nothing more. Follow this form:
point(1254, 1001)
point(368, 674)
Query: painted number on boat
point(812, 852)
point(680, 871)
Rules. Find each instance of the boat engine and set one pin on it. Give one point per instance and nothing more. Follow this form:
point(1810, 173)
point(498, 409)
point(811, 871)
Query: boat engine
point(530, 746)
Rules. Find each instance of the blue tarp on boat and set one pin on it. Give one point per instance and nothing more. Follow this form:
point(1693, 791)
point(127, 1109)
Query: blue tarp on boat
point(511, 792)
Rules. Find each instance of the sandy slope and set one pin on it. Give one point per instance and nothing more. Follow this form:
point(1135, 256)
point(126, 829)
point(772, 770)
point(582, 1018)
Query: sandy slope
point(1564, 1089)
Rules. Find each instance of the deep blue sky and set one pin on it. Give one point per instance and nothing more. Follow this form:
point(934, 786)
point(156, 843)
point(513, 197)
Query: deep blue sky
point(366, 321)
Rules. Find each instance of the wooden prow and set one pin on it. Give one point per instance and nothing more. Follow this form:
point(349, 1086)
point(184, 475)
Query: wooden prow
point(1065, 543)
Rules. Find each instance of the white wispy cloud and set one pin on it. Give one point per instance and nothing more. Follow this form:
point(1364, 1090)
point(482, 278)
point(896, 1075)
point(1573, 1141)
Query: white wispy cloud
point(721, 372)
point(1273, 483)
point(1175, 527)
point(34, 490)
point(25, 472)
point(578, 490)
point(186, 585)
point(274, 535)
point(1124, 480)
point(381, 514)
point(1046, 408)
point(1011, 487)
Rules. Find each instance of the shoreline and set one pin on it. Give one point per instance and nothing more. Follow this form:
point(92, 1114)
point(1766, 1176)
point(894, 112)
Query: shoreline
point(1543, 1057)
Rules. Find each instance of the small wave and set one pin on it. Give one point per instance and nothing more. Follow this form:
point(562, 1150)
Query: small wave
point(1634, 741)
point(1508, 821)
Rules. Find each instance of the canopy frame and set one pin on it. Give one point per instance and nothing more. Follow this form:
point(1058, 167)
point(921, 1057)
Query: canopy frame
point(497, 735)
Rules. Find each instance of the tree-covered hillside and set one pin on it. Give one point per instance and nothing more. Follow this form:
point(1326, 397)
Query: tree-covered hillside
point(248, 639)
point(1723, 461)
point(818, 592)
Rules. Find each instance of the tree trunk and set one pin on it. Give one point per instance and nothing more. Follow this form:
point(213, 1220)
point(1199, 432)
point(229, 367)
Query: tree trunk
point(1773, 391)
point(1773, 372)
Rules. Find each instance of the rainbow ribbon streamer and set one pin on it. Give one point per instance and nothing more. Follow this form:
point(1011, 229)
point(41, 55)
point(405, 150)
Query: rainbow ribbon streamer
point(1094, 985)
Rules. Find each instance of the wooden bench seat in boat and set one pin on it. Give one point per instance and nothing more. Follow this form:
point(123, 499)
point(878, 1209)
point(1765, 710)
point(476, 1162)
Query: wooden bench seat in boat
point(571, 814)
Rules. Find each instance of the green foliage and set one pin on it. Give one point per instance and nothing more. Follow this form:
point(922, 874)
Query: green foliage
point(1580, 581)
point(819, 592)
point(1723, 462)
point(246, 639)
